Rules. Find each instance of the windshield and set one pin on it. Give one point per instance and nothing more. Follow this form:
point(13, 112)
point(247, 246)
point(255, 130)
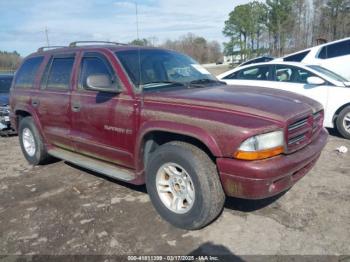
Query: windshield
point(162, 68)
point(5, 84)
point(328, 73)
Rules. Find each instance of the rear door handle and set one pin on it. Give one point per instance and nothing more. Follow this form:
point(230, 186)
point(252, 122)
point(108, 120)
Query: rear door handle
point(75, 107)
point(35, 102)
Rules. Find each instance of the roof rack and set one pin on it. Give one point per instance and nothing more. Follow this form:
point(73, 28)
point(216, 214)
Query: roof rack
point(43, 48)
point(75, 44)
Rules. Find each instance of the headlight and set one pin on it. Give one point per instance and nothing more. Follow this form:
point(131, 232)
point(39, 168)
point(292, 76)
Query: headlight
point(261, 146)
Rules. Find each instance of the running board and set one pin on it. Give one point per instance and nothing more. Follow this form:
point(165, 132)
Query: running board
point(98, 166)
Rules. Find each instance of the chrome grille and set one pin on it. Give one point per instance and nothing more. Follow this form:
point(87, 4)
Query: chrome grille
point(298, 124)
point(317, 121)
point(296, 139)
point(302, 131)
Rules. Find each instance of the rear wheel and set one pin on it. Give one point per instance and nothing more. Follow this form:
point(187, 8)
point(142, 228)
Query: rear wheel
point(184, 186)
point(31, 142)
point(343, 122)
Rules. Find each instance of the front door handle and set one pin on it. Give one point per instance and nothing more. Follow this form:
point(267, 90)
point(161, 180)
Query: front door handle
point(76, 107)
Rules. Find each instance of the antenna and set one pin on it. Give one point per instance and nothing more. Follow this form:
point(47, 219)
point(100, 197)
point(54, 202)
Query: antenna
point(137, 20)
point(47, 36)
point(139, 50)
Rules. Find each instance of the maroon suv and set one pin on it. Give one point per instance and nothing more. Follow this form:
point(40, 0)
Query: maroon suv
point(155, 116)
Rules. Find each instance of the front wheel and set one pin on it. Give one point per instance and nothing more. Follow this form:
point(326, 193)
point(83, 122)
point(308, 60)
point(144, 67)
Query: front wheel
point(343, 122)
point(184, 186)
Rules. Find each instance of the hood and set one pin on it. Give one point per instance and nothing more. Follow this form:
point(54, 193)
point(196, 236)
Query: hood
point(4, 99)
point(267, 103)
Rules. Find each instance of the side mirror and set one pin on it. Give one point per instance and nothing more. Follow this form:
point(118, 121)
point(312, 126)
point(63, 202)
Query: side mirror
point(347, 84)
point(314, 80)
point(100, 82)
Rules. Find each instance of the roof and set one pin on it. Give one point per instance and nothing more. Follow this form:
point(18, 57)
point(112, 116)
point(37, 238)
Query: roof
point(111, 47)
point(277, 62)
point(315, 47)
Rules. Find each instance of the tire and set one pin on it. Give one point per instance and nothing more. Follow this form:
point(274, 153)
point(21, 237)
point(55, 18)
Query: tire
point(343, 122)
point(36, 155)
point(3, 133)
point(207, 199)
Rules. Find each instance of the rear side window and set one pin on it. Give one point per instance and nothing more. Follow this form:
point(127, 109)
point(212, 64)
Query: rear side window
point(58, 73)
point(297, 57)
point(335, 50)
point(26, 74)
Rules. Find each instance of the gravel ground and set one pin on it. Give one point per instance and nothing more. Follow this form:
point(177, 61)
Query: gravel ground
point(61, 209)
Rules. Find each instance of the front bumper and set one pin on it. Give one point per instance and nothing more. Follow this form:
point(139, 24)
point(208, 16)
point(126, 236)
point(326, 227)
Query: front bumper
point(5, 124)
point(269, 177)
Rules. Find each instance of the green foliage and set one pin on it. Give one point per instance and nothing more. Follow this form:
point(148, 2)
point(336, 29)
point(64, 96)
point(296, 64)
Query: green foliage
point(244, 28)
point(9, 61)
point(140, 42)
point(284, 26)
point(280, 21)
point(197, 47)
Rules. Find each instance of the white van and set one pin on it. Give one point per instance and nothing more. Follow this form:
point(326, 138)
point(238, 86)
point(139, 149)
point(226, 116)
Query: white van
point(334, 56)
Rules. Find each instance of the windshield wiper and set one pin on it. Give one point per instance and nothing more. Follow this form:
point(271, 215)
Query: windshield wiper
point(159, 83)
point(204, 81)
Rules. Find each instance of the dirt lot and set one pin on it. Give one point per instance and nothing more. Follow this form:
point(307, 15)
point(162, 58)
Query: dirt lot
point(63, 209)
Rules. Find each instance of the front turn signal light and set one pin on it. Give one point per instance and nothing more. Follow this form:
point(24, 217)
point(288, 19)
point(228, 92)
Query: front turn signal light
point(258, 155)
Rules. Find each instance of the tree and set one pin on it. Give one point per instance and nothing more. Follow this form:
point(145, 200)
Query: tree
point(9, 61)
point(237, 27)
point(280, 23)
point(214, 52)
point(245, 27)
point(141, 42)
point(259, 20)
point(331, 19)
point(197, 47)
point(284, 25)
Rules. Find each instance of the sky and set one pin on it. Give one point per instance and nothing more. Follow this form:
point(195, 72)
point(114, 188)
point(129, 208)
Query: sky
point(23, 22)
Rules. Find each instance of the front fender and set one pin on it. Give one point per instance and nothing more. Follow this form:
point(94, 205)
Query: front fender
point(174, 128)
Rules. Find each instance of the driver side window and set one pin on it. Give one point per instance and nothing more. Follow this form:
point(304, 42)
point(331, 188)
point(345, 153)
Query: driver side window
point(95, 64)
point(291, 74)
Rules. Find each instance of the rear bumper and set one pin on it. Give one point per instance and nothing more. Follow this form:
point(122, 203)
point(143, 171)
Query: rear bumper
point(266, 178)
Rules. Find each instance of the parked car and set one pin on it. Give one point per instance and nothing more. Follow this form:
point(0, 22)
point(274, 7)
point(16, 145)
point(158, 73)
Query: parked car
point(321, 84)
point(5, 85)
point(155, 116)
point(259, 59)
point(332, 55)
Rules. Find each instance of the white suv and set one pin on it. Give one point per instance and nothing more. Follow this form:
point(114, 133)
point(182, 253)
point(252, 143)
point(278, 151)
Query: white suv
point(334, 56)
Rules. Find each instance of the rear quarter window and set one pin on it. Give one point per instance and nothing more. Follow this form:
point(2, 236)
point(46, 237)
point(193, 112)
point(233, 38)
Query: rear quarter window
point(335, 50)
point(297, 57)
point(25, 76)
